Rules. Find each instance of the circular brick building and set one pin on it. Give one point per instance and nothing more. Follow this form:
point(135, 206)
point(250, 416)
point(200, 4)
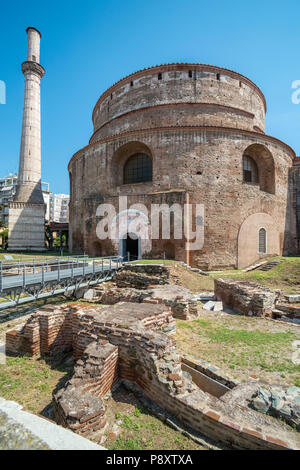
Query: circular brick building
point(185, 134)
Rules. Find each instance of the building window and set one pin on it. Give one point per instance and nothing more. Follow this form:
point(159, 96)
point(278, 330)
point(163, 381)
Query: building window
point(218, 76)
point(262, 241)
point(138, 169)
point(250, 171)
point(131, 83)
point(190, 73)
point(159, 76)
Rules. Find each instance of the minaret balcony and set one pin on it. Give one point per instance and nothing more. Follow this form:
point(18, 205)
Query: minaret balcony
point(33, 67)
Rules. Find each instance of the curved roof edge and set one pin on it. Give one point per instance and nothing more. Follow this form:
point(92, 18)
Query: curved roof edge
point(183, 65)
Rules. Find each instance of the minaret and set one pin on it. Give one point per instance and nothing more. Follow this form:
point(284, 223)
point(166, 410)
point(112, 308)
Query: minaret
point(27, 211)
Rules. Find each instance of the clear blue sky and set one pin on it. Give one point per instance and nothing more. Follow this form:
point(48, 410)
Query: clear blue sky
point(88, 45)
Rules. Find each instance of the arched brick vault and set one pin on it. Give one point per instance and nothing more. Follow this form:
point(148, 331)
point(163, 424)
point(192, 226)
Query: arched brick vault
point(197, 152)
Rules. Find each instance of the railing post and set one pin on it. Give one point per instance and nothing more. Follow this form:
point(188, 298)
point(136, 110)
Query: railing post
point(93, 266)
point(1, 273)
point(102, 266)
point(24, 276)
point(58, 273)
point(110, 264)
point(43, 274)
point(72, 269)
point(83, 267)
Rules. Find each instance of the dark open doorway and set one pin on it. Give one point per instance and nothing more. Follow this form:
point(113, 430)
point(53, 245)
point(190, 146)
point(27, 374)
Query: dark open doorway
point(131, 247)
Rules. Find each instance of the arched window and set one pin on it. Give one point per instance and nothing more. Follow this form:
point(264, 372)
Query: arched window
point(138, 169)
point(262, 241)
point(250, 170)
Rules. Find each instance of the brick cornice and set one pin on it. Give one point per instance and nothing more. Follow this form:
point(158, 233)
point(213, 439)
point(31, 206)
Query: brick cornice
point(230, 109)
point(217, 129)
point(181, 66)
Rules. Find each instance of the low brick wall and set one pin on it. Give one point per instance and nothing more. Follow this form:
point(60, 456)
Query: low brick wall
point(140, 276)
point(209, 370)
point(125, 342)
point(182, 302)
point(49, 330)
point(246, 297)
point(110, 295)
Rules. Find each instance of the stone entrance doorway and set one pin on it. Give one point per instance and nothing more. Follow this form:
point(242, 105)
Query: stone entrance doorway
point(131, 247)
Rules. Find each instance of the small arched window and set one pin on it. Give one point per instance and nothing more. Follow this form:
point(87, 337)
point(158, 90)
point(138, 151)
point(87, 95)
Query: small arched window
point(138, 169)
point(250, 170)
point(262, 241)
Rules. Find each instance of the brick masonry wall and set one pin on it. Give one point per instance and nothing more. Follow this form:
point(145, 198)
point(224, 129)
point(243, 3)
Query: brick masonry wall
point(294, 187)
point(149, 359)
point(246, 297)
point(206, 164)
point(144, 89)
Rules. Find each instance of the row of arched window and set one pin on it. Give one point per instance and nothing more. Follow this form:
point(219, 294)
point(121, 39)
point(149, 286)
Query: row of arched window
point(138, 169)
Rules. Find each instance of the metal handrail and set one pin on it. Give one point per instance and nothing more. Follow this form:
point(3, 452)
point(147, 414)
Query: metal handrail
point(64, 275)
point(25, 268)
point(55, 262)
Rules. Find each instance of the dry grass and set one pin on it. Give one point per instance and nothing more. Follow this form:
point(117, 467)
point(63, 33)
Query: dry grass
point(191, 280)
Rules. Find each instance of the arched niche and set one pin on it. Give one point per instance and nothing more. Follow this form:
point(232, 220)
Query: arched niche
point(122, 156)
point(263, 164)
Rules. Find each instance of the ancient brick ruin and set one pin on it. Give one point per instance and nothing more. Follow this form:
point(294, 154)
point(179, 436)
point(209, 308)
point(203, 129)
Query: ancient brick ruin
point(131, 343)
point(150, 284)
point(249, 298)
point(246, 297)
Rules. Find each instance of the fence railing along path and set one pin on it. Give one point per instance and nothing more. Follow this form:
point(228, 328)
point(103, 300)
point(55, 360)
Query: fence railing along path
point(26, 280)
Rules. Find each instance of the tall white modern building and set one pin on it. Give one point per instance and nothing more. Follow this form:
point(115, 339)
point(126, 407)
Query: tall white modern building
point(57, 205)
point(59, 208)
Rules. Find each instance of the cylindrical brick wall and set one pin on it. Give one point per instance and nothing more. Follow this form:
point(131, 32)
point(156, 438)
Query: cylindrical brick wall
point(196, 123)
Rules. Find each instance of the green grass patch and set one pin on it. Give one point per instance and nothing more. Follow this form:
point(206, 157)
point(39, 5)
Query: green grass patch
point(284, 276)
point(140, 430)
point(29, 381)
point(250, 338)
point(244, 345)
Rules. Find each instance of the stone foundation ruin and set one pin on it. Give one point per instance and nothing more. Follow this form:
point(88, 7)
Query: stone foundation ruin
point(246, 297)
point(250, 299)
point(131, 343)
point(146, 283)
